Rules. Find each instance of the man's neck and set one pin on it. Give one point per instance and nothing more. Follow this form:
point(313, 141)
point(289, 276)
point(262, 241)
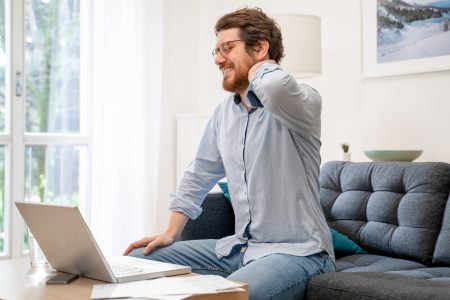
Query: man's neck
point(244, 101)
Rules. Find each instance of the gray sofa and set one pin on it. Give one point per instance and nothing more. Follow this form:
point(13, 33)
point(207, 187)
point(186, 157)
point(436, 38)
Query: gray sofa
point(399, 212)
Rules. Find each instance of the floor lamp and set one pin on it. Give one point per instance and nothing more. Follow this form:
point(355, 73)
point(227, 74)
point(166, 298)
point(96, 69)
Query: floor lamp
point(302, 44)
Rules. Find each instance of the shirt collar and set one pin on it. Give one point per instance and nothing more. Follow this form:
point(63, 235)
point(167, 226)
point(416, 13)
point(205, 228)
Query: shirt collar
point(237, 100)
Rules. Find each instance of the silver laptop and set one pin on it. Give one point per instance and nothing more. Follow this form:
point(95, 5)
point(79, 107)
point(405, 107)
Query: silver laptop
point(69, 246)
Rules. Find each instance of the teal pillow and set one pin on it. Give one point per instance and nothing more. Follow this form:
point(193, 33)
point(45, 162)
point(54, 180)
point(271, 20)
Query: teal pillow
point(341, 243)
point(224, 187)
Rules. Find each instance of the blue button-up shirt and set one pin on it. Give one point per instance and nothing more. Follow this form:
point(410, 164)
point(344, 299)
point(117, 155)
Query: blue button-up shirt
point(271, 158)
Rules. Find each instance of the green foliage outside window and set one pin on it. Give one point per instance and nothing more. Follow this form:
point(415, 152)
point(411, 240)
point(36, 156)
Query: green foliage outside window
point(52, 103)
point(52, 59)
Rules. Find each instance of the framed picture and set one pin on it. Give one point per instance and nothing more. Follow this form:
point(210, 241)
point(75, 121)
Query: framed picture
point(404, 37)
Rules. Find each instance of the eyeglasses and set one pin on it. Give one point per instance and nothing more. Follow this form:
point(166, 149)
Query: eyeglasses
point(224, 48)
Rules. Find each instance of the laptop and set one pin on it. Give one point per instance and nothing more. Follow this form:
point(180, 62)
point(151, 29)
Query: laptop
point(69, 246)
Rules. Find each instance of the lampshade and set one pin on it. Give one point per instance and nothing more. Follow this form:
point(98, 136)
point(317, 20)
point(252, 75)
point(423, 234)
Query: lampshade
point(302, 44)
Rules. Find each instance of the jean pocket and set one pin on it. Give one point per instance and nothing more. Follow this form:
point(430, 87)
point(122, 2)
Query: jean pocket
point(327, 263)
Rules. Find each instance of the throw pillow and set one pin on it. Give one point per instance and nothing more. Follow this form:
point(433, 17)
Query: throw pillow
point(341, 243)
point(224, 187)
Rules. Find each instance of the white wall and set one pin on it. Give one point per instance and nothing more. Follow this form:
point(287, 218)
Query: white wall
point(180, 89)
point(403, 112)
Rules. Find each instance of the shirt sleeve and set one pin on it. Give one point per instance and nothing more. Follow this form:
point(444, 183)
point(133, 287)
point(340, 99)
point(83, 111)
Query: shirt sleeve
point(202, 174)
point(296, 106)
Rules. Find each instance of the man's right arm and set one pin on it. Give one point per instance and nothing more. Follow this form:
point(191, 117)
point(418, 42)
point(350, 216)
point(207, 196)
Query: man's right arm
point(201, 175)
point(177, 222)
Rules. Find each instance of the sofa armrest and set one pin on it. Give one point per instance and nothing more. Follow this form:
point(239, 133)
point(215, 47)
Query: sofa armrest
point(215, 222)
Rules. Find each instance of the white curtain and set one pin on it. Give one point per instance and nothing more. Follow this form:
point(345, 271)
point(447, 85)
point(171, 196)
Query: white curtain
point(126, 66)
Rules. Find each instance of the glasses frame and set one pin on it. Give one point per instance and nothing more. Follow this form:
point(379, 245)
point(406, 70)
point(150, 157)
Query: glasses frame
point(224, 48)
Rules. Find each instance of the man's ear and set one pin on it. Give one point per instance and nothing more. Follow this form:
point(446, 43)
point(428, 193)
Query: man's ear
point(262, 50)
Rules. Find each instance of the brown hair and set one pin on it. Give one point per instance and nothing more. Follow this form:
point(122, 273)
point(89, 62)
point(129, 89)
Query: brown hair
point(255, 26)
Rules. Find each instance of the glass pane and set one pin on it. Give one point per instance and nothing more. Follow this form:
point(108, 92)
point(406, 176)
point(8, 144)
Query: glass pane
point(2, 199)
point(3, 64)
point(55, 174)
point(52, 65)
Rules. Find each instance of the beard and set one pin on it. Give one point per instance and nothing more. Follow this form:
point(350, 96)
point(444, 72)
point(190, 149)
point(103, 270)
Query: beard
point(238, 83)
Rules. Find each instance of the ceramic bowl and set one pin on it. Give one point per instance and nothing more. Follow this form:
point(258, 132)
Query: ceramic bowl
point(393, 155)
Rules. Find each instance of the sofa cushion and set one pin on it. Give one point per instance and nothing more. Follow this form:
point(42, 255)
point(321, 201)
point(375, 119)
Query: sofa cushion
point(215, 222)
point(441, 254)
point(374, 263)
point(389, 208)
point(375, 286)
point(433, 274)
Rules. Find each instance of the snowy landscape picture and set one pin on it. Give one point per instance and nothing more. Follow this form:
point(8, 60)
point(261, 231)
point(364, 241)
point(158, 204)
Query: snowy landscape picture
point(412, 29)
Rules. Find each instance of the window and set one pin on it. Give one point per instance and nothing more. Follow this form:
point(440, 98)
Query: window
point(44, 118)
point(5, 141)
point(52, 101)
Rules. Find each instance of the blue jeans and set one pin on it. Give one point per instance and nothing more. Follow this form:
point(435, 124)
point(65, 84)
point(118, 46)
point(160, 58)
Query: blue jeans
point(276, 276)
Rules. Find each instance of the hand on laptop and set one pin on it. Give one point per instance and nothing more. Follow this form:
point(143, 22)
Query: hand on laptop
point(176, 225)
point(150, 243)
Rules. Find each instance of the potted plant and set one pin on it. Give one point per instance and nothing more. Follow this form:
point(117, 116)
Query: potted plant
point(346, 156)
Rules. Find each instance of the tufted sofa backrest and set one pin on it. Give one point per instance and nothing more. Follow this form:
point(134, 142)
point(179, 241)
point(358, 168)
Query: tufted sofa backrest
point(441, 254)
point(391, 208)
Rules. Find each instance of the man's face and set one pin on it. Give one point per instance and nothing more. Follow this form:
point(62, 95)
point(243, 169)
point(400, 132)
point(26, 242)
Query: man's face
point(233, 60)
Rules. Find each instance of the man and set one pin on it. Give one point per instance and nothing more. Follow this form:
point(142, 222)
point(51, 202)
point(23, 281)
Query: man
point(265, 138)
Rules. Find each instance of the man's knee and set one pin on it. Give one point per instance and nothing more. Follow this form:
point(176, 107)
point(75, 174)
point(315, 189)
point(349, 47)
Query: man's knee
point(183, 252)
point(280, 276)
point(157, 254)
point(139, 252)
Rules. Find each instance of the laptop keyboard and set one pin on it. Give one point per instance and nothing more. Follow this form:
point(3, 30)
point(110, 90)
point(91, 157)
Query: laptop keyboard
point(120, 269)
